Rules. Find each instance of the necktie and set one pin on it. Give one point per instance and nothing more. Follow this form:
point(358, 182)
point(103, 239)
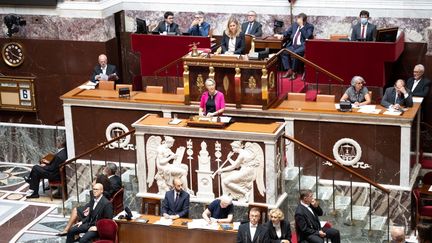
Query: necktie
point(296, 36)
point(167, 28)
point(177, 198)
point(362, 33)
point(249, 28)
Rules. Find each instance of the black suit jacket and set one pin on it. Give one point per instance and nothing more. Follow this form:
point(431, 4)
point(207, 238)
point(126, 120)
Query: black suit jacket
point(422, 88)
point(239, 46)
point(370, 32)
point(390, 95)
point(172, 28)
point(306, 222)
point(256, 29)
point(54, 166)
point(182, 207)
point(305, 33)
point(98, 70)
point(244, 236)
point(103, 210)
point(285, 232)
point(116, 184)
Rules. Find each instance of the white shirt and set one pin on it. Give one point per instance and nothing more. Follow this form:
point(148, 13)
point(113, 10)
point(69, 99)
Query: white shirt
point(232, 45)
point(104, 70)
point(416, 82)
point(96, 202)
point(365, 30)
point(252, 229)
point(308, 207)
point(299, 37)
point(278, 230)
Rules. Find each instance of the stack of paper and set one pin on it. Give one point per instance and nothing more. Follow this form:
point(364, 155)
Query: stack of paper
point(202, 224)
point(430, 189)
point(369, 109)
point(88, 85)
point(392, 112)
point(164, 221)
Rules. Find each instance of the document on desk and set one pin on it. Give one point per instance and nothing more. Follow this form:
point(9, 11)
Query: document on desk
point(88, 85)
point(164, 221)
point(430, 189)
point(392, 112)
point(417, 99)
point(368, 109)
point(202, 224)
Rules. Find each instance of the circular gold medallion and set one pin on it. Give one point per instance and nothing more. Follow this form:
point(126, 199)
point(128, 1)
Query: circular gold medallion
point(13, 54)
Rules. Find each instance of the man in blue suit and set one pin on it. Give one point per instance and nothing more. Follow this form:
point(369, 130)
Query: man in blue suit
point(176, 202)
point(296, 36)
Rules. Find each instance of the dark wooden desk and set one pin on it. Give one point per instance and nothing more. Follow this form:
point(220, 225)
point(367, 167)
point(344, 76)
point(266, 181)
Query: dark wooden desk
point(133, 231)
point(268, 42)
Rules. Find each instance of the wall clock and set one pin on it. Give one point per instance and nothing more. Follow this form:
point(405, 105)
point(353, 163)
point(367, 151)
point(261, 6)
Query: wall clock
point(13, 54)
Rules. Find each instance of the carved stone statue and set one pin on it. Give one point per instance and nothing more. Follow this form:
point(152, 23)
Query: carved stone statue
point(159, 155)
point(205, 182)
point(250, 161)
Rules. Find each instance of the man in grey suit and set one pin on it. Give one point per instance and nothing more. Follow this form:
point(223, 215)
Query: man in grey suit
point(252, 27)
point(104, 71)
point(419, 85)
point(168, 25)
point(397, 96)
point(363, 30)
point(176, 202)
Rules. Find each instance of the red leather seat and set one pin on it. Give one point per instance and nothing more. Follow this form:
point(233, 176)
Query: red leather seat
point(107, 230)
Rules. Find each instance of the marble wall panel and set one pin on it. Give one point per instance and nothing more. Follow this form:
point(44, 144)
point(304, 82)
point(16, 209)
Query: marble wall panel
point(26, 145)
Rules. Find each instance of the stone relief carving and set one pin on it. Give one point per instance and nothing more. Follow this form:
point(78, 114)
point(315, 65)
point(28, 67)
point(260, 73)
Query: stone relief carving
point(159, 155)
point(239, 176)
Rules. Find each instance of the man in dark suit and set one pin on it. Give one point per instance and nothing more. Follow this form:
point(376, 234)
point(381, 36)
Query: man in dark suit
point(104, 71)
point(363, 30)
point(296, 36)
point(115, 180)
point(419, 85)
point(176, 202)
point(99, 208)
point(168, 25)
point(253, 232)
point(397, 96)
point(47, 169)
point(308, 226)
point(252, 27)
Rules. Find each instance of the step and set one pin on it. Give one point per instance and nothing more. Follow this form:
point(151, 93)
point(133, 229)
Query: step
point(379, 223)
point(306, 182)
point(360, 213)
point(325, 193)
point(342, 203)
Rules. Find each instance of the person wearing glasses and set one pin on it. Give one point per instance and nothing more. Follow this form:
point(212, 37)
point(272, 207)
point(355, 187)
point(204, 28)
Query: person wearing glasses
point(167, 25)
point(419, 84)
point(357, 93)
point(252, 27)
point(199, 27)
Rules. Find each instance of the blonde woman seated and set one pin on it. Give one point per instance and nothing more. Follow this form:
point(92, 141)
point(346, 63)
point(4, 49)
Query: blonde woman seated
point(233, 41)
point(357, 93)
point(279, 229)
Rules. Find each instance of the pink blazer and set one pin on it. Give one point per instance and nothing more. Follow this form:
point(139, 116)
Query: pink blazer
point(219, 101)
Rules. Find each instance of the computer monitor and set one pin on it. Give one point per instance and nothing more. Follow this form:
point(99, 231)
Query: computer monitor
point(387, 34)
point(141, 26)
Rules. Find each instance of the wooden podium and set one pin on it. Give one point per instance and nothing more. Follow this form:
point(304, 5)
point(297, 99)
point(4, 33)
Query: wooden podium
point(245, 83)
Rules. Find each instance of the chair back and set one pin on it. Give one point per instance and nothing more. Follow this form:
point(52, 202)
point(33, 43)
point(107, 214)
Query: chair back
point(180, 90)
point(263, 211)
point(117, 201)
point(151, 206)
point(427, 178)
point(119, 86)
point(336, 37)
point(248, 42)
point(325, 98)
point(154, 89)
point(297, 96)
point(107, 229)
point(106, 85)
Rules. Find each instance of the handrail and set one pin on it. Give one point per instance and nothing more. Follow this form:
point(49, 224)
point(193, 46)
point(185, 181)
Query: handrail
point(336, 164)
point(315, 66)
point(166, 66)
point(97, 147)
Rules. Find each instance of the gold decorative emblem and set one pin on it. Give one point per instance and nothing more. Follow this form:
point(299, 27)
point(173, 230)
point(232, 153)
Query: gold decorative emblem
point(252, 82)
point(226, 83)
point(211, 72)
point(200, 83)
point(272, 80)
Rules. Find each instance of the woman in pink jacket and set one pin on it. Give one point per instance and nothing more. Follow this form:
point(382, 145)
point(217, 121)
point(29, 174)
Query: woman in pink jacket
point(212, 101)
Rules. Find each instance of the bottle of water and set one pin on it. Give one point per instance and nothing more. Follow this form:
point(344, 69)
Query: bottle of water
point(420, 183)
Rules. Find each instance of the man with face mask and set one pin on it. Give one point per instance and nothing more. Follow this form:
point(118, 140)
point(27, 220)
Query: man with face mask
point(363, 30)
